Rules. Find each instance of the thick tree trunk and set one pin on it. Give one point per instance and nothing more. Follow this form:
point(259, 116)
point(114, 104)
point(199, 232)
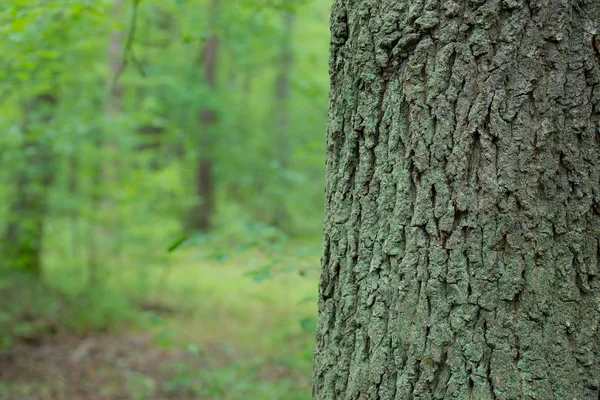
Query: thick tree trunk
point(22, 242)
point(462, 229)
point(205, 185)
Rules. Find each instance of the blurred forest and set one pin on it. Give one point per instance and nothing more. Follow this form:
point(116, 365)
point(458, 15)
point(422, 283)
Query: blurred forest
point(161, 177)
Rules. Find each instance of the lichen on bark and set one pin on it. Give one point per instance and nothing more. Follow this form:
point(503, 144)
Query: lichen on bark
point(462, 226)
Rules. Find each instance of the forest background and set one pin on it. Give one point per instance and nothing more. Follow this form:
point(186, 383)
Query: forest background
point(161, 178)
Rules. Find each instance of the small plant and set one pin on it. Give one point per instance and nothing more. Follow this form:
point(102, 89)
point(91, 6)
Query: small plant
point(140, 386)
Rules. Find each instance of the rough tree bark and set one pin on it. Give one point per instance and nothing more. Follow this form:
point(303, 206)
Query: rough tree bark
point(462, 229)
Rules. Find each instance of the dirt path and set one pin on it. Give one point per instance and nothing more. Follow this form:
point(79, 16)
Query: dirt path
point(97, 367)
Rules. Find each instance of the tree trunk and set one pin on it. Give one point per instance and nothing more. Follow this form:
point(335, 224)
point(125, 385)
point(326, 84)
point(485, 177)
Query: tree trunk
point(116, 63)
point(205, 185)
point(282, 94)
point(22, 242)
point(462, 228)
point(282, 112)
point(107, 171)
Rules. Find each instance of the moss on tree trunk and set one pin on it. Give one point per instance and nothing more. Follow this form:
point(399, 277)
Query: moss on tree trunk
point(462, 229)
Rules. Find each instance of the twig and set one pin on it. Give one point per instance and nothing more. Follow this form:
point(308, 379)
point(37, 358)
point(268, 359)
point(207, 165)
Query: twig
point(128, 50)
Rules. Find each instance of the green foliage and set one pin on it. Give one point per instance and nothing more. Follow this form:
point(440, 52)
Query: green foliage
point(98, 179)
point(32, 310)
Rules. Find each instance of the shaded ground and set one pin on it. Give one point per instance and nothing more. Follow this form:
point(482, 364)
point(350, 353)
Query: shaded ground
point(211, 333)
point(103, 367)
point(97, 367)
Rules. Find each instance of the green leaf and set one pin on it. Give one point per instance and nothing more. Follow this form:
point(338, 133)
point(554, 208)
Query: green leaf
point(50, 55)
point(178, 243)
point(194, 350)
point(308, 324)
point(261, 274)
point(23, 76)
point(222, 258)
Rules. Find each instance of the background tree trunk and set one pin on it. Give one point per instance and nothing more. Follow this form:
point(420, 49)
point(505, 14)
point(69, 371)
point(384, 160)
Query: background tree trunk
point(116, 62)
point(282, 111)
point(462, 228)
point(22, 242)
point(208, 118)
point(107, 170)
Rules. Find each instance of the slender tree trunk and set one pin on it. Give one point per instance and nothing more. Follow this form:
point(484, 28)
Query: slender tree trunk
point(462, 229)
point(205, 184)
point(74, 214)
point(22, 242)
point(106, 171)
point(282, 110)
point(94, 240)
point(116, 63)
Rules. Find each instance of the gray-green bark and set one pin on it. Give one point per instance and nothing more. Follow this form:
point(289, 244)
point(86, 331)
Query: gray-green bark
point(462, 228)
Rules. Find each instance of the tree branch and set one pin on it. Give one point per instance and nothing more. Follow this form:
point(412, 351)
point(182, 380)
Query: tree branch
point(128, 52)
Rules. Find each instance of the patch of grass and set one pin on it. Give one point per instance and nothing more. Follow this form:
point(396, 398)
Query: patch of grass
point(266, 329)
point(255, 338)
point(32, 309)
point(237, 380)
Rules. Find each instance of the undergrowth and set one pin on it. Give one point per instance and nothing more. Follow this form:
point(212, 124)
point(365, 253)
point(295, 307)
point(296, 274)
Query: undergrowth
point(250, 314)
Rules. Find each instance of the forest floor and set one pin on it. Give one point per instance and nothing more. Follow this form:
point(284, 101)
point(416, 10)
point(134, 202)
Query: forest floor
point(210, 332)
point(95, 367)
point(104, 366)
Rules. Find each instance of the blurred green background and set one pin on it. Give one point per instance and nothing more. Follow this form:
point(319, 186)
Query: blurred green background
point(161, 185)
